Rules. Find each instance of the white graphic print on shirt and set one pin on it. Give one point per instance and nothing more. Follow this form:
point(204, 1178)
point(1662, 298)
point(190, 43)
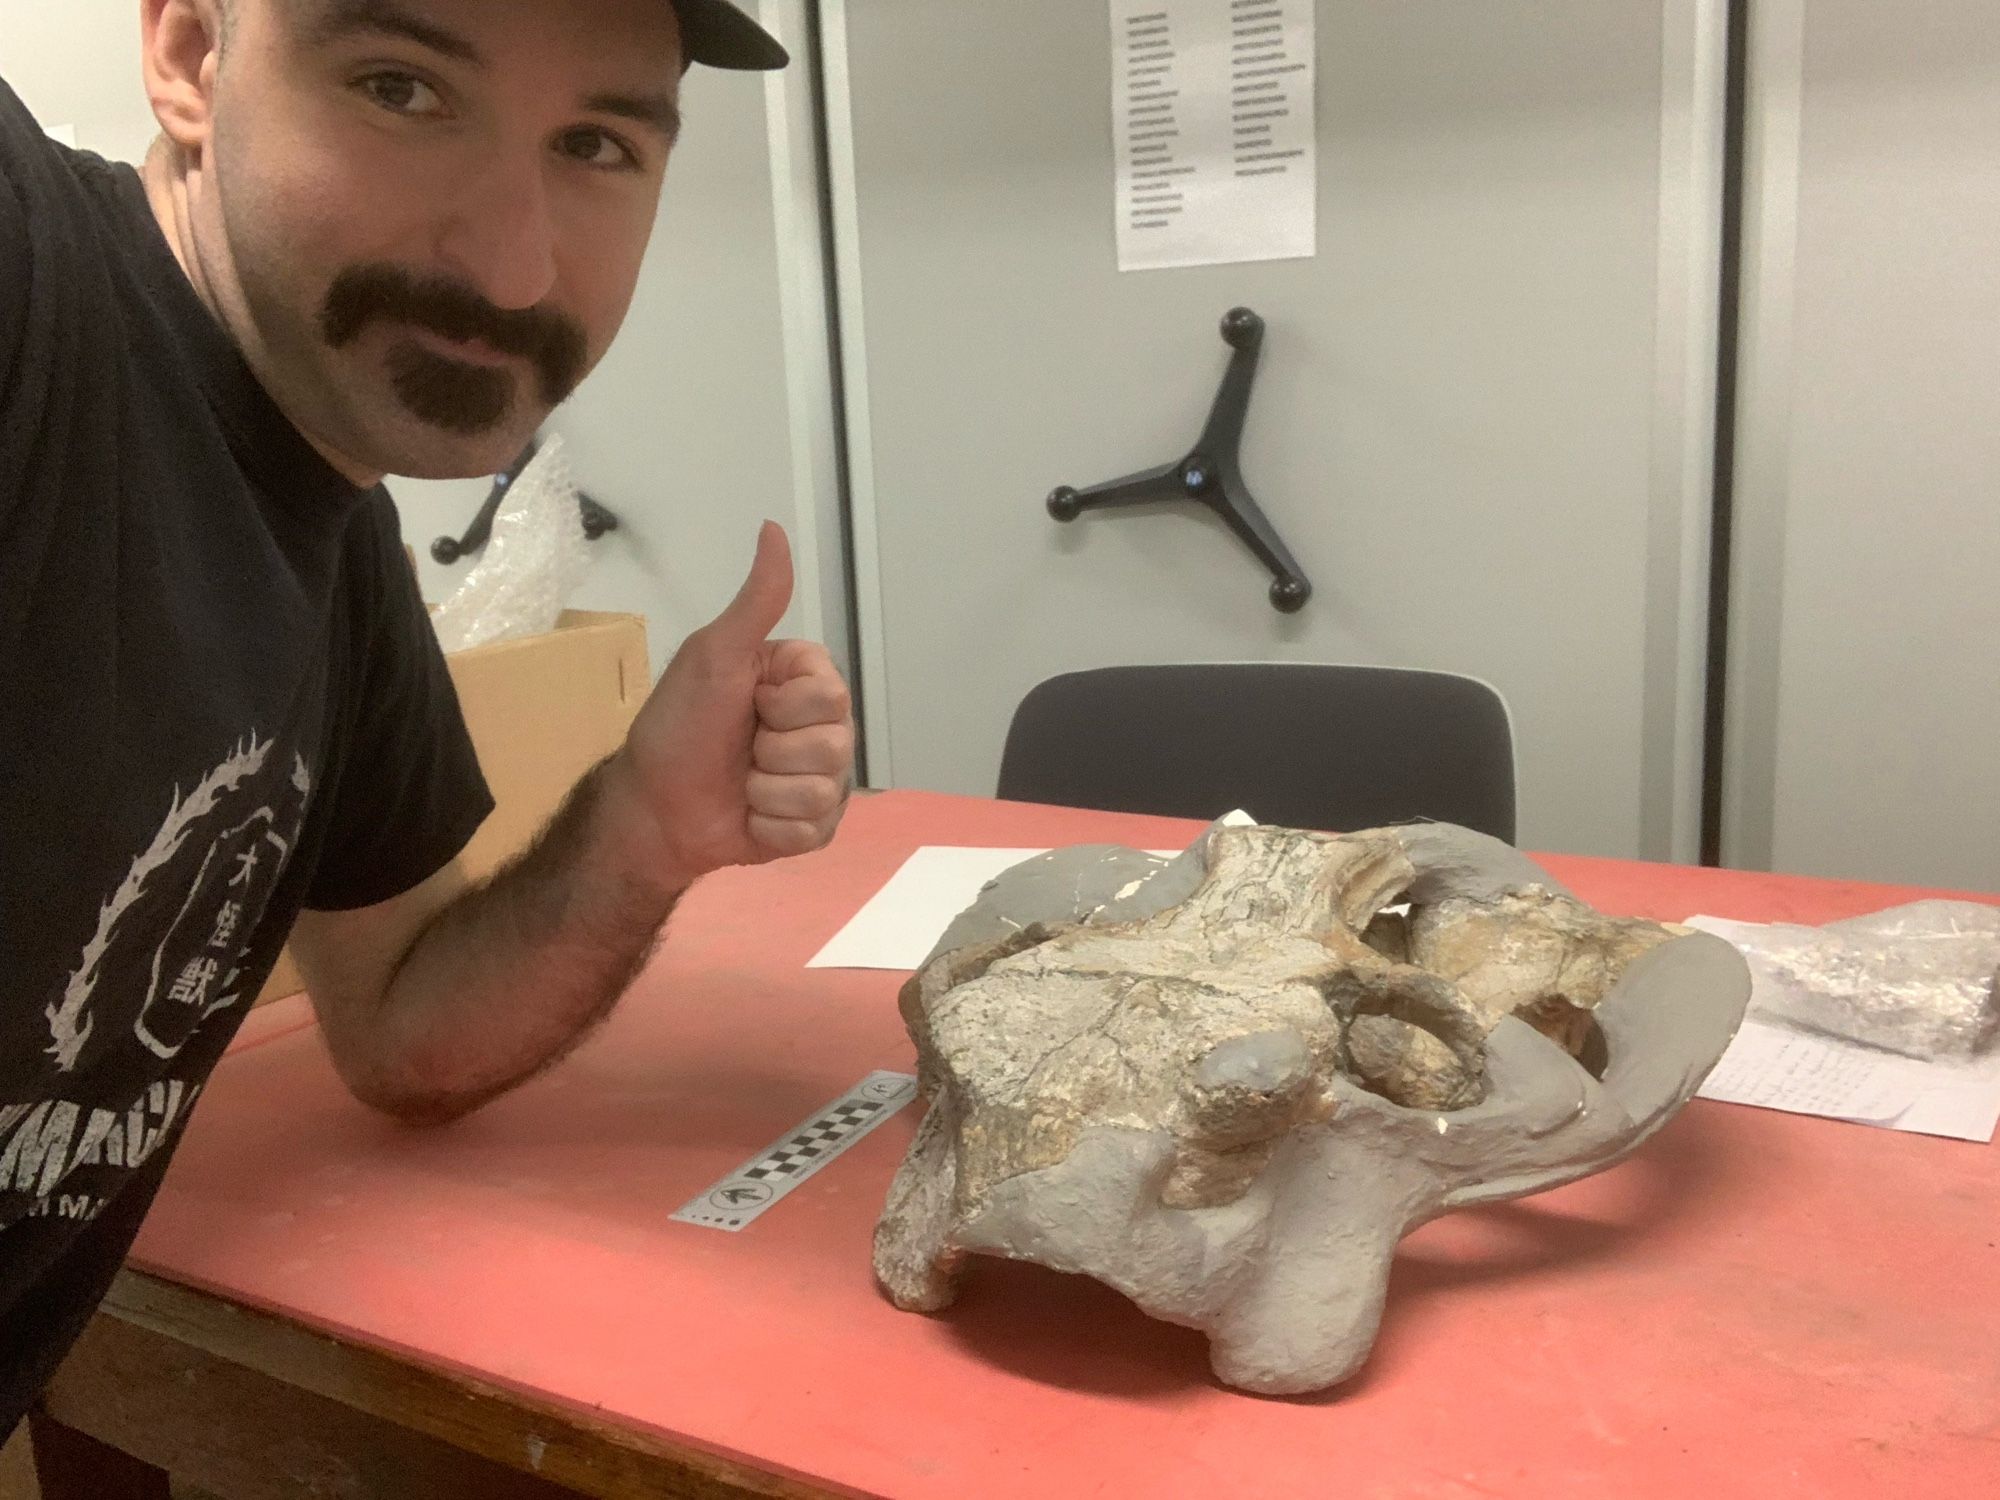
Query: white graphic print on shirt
point(252, 854)
point(168, 952)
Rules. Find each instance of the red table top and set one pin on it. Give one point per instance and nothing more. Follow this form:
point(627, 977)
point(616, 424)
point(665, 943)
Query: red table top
point(1756, 1304)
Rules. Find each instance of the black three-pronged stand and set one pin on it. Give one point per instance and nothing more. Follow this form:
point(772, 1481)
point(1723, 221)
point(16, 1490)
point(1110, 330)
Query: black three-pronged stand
point(1211, 472)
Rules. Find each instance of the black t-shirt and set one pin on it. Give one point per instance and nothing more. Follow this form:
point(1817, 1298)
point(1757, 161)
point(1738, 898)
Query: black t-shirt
point(220, 702)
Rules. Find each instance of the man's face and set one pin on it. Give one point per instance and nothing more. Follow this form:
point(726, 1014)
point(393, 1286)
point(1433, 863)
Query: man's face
point(427, 216)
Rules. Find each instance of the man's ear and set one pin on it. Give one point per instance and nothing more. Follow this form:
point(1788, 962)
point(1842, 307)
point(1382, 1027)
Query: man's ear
point(180, 48)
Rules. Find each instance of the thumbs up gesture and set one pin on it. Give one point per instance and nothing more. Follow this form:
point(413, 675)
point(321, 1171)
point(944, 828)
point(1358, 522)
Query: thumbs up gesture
point(745, 750)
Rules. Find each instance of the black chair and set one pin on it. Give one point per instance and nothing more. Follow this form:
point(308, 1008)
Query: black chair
point(1297, 745)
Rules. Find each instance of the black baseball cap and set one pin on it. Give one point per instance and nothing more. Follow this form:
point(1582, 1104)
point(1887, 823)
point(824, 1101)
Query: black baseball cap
point(716, 33)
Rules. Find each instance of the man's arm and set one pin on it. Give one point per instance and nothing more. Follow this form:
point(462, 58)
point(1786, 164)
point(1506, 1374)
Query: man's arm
point(437, 1000)
point(451, 993)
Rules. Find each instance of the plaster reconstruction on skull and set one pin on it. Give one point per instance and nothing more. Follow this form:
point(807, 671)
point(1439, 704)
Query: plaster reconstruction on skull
point(1228, 1084)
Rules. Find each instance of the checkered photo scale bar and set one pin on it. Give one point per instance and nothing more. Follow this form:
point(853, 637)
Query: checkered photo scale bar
point(781, 1166)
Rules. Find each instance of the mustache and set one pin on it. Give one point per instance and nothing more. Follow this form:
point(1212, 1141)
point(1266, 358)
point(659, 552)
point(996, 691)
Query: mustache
point(554, 343)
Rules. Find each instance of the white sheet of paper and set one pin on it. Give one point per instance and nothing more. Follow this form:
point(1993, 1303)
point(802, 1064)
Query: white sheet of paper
point(1213, 129)
point(1779, 1067)
point(901, 923)
point(1775, 1067)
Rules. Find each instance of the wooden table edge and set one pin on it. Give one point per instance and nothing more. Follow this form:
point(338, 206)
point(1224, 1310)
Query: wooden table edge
point(551, 1443)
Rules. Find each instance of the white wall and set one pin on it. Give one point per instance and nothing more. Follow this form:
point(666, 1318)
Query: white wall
point(709, 414)
point(77, 63)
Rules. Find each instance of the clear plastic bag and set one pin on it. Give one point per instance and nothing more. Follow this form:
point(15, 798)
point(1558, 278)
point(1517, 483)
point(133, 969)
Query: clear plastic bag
point(1922, 980)
point(532, 564)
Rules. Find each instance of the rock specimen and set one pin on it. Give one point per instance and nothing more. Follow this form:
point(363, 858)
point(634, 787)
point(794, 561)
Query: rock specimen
point(1228, 1084)
point(1922, 979)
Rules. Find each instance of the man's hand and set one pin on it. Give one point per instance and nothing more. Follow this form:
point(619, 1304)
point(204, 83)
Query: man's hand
point(745, 750)
point(444, 997)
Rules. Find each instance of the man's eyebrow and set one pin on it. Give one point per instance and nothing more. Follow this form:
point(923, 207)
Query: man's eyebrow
point(656, 110)
point(337, 20)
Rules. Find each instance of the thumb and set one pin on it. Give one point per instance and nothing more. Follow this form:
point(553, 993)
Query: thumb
point(758, 606)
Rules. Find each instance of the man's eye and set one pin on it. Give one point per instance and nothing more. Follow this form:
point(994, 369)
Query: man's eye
point(401, 94)
point(597, 148)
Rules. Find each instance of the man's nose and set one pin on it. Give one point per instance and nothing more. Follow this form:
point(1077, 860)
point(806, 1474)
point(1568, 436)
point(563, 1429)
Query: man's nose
point(500, 235)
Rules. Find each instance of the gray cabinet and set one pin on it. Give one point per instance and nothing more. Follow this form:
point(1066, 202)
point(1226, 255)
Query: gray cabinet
point(1480, 423)
point(1865, 645)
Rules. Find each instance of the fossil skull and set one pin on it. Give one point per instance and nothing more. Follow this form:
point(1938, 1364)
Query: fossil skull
point(1228, 1084)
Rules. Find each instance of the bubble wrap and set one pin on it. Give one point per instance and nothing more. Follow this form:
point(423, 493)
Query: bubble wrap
point(537, 556)
point(1922, 980)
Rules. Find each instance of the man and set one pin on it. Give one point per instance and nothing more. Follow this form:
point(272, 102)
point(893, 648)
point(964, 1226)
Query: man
point(375, 237)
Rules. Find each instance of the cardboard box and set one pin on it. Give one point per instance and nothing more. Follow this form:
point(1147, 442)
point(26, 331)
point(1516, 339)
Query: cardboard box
point(542, 710)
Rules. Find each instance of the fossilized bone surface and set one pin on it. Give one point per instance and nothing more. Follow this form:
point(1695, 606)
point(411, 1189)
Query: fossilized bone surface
point(1226, 1086)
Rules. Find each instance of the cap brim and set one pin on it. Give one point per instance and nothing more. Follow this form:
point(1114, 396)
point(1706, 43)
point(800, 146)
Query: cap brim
point(716, 34)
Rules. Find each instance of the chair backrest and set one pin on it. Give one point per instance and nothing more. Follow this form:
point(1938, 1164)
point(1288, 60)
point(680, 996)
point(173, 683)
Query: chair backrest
point(1301, 746)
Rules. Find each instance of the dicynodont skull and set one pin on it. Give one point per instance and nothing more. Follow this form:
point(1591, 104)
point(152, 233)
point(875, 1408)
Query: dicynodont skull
point(1227, 1085)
